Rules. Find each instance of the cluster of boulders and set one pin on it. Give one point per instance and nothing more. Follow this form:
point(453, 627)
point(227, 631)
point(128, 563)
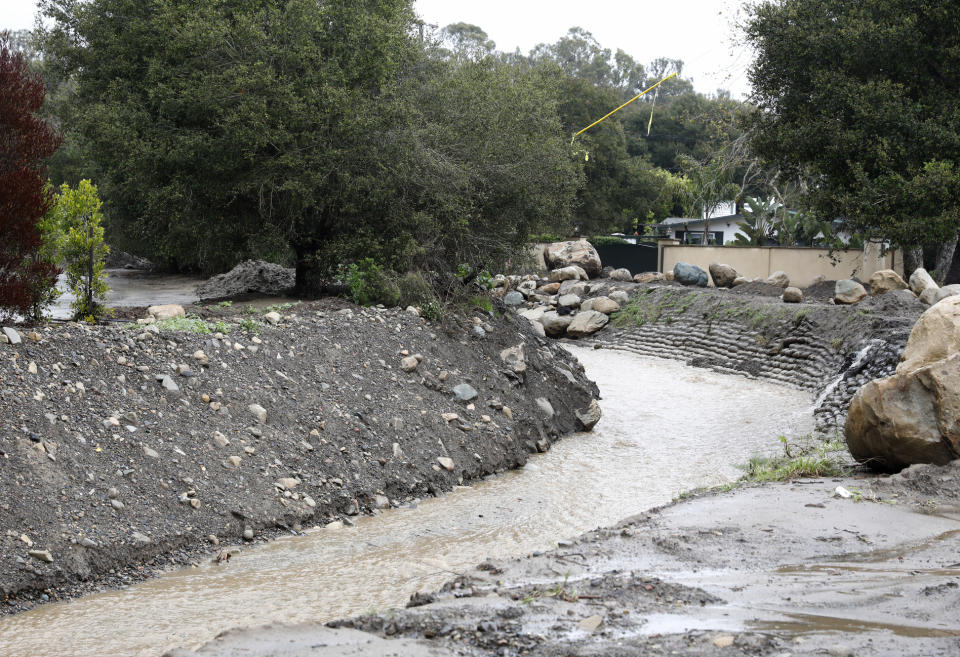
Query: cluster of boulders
point(565, 303)
point(914, 415)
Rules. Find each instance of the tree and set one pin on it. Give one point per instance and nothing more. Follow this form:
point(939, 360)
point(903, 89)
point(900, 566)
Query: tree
point(76, 223)
point(25, 141)
point(305, 131)
point(862, 93)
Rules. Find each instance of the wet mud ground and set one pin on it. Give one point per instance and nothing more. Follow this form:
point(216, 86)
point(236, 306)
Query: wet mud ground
point(779, 569)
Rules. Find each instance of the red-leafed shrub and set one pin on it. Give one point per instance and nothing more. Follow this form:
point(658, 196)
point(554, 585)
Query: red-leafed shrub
point(26, 140)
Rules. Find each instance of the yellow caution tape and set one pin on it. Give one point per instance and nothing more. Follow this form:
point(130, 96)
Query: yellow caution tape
point(604, 118)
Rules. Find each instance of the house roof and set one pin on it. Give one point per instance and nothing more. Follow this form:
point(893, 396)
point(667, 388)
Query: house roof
point(691, 221)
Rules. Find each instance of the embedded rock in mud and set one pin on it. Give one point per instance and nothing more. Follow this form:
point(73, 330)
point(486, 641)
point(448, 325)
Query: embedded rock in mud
point(250, 277)
point(579, 252)
point(914, 415)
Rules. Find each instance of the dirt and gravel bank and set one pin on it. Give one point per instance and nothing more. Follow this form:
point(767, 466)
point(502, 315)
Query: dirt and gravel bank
point(782, 569)
point(125, 449)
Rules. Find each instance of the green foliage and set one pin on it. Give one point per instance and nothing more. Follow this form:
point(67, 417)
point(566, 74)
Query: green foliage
point(482, 302)
point(604, 240)
point(192, 324)
point(74, 230)
point(757, 225)
point(814, 459)
point(369, 284)
point(249, 325)
point(861, 96)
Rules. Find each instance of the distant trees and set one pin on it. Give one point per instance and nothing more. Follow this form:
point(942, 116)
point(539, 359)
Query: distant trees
point(318, 133)
point(26, 276)
point(862, 95)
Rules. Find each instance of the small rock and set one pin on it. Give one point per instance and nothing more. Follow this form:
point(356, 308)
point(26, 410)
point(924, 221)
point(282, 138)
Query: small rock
point(723, 641)
point(591, 623)
point(409, 364)
point(166, 311)
point(446, 462)
point(273, 317)
point(248, 534)
point(12, 336)
point(464, 392)
point(150, 452)
point(546, 408)
point(259, 412)
point(41, 555)
point(234, 461)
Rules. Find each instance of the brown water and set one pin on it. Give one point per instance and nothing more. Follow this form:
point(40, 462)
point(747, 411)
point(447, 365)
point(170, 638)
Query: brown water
point(666, 428)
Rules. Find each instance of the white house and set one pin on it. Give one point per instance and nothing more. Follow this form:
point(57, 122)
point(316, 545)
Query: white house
point(724, 222)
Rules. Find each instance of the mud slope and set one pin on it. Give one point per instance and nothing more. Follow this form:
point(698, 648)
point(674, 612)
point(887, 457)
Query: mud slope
point(109, 471)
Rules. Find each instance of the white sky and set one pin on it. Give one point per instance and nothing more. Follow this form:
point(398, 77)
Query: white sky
point(700, 32)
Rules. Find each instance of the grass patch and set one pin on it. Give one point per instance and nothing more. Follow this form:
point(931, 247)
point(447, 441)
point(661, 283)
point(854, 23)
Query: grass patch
point(818, 459)
point(280, 307)
point(249, 325)
point(192, 324)
point(482, 302)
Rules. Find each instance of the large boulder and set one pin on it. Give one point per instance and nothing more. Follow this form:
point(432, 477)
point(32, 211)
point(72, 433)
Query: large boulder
point(914, 415)
point(779, 278)
point(587, 322)
point(166, 311)
point(920, 280)
point(886, 280)
point(568, 301)
point(555, 324)
point(792, 295)
point(935, 336)
point(907, 418)
point(622, 275)
point(604, 305)
point(648, 277)
point(847, 292)
point(574, 287)
point(723, 275)
point(579, 252)
point(688, 274)
point(250, 277)
point(946, 291)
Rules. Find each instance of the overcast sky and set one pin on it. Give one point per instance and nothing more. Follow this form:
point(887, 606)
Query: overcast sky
point(700, 32)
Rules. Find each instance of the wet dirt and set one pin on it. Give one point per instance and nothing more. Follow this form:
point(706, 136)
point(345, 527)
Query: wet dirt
point(638, 457)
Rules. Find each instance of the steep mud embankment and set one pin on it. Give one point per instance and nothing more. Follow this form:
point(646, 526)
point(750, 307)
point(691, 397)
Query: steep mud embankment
point(826, 349)
point(125, 449)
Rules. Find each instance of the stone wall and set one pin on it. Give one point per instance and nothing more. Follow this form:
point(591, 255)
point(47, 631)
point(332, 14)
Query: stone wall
point(828, 350)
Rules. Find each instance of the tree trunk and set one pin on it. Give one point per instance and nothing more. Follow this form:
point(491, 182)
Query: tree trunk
point(912, 259)
point(944, 259)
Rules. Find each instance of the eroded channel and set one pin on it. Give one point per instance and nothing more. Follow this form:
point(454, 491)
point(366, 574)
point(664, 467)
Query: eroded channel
point(666, 428)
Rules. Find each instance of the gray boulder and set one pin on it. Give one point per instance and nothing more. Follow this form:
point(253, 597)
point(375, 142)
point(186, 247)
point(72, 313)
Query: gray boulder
point(587, 323)
point(688, 274)
point(622, 275)
point(555, 324)
point(847, 292)
point(513, 298)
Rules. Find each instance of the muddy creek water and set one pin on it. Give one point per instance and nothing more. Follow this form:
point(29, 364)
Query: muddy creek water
point(665, 428)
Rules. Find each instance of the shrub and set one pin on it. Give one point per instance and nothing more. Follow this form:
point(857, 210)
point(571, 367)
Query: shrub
point(77, 231)
point(370, 284)
point(606, 240)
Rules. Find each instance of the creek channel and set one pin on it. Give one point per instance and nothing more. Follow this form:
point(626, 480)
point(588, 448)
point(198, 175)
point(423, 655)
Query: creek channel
point(666, 428)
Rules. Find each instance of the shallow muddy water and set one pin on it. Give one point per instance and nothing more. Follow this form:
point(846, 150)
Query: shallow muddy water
point(666, 428)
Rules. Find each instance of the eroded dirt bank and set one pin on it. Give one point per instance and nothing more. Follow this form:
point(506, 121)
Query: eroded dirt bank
point(784, 569)
point(123, 450)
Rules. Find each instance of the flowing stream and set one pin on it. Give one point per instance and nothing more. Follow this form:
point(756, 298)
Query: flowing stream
point(665, 428)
